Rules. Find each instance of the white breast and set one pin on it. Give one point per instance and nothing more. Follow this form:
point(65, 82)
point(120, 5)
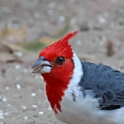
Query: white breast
point(86, 111)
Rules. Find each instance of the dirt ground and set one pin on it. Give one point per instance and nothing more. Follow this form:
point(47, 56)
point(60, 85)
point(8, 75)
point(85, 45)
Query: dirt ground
point(100, 40)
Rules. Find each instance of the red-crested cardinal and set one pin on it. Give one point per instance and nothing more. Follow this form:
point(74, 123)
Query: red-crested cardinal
point(80, 92)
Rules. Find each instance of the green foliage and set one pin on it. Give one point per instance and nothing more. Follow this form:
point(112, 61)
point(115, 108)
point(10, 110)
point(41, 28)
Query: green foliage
point(34, 46)
point(5, 31)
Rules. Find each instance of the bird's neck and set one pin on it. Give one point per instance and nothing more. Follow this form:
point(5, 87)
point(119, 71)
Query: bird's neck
point(56, 84)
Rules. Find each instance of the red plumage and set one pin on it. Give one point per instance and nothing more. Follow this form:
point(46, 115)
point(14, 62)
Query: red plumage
point(58, 79)
point(61, 47)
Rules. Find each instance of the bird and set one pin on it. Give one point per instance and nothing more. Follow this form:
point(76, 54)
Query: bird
point(80, 92)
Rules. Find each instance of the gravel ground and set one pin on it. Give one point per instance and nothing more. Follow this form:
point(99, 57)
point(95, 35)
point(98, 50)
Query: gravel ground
point(100, 39)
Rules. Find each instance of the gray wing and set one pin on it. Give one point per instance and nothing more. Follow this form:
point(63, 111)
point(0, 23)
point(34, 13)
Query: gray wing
point(106, 83)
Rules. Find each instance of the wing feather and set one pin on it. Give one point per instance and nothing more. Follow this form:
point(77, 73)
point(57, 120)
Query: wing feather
point(106, 83)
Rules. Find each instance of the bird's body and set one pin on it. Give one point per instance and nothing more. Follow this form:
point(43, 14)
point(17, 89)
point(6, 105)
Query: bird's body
point(83, 106)
point(83, 93)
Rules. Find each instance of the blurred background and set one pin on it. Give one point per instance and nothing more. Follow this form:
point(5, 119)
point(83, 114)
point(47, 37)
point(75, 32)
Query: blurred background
point(27, 26)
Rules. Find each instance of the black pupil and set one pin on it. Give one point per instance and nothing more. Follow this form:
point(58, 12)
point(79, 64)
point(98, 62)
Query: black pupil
point(60, 60)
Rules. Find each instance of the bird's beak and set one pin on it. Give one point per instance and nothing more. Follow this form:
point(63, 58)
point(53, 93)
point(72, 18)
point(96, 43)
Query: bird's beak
point(42, 66)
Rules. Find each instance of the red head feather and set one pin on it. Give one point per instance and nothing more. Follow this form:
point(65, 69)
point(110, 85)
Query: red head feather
point(59, 48)
point(57, 81)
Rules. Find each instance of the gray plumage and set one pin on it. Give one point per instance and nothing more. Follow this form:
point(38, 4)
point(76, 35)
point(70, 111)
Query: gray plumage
point(106, 83)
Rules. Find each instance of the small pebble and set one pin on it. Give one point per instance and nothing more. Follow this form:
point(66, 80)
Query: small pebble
point(19, 54)
point(18, 86)
point(25, 70)
point(7, 88)
point(49, 108)
point(4, 99)
point(41, 113)
point(17, 66)
point(61, 18)
point(33, 94)
point(79, 42)
point(101, 19)
point(8, 105)
point(6, 113)
point(24, 107)
point(26, 117)
point(36, 77)
point(34, 106)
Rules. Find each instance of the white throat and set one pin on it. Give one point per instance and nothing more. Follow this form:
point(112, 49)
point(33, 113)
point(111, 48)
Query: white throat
point(78, 71)
point(73, 86)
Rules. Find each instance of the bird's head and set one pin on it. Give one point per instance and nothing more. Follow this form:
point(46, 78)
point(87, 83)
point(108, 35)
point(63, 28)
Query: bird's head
point(56, 65)
point(56, 59)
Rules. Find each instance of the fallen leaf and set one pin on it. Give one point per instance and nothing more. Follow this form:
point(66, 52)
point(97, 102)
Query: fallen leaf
point(47, 40)
point(12, 47)
point(109, 48)
point(14, 60)
point(14, 34)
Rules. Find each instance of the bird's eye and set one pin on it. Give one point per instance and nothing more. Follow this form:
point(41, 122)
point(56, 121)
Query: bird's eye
point(60, 60)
